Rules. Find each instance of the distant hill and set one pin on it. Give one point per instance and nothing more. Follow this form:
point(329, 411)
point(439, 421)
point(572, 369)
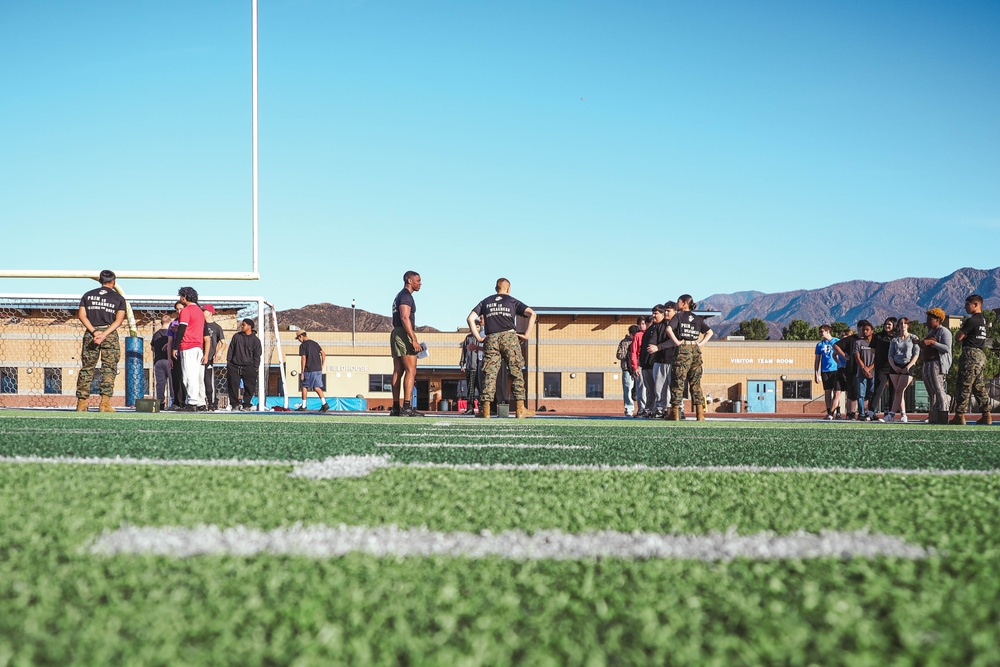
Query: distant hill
point(855, 300)
point(329, 317)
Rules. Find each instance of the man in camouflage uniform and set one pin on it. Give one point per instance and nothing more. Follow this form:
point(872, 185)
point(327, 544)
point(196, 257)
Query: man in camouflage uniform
point(101, 312)
point(972, 363)
point(688, 332)
point(502, 342)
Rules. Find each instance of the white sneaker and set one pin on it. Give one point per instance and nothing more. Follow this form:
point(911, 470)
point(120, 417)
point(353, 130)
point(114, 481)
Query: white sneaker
point(828, 418)
point(888, 418)
point(902, 418)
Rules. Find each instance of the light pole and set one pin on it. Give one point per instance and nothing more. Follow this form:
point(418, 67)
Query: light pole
point(353, 320)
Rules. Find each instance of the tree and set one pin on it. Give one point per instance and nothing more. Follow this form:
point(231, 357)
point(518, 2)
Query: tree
point(754, 329)
point(800, 330)
point(838, 329)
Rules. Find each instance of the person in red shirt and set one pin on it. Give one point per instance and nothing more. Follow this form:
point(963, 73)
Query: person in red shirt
point(193, 348)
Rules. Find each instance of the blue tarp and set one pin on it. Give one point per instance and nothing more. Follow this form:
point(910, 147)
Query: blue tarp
point(337, 404)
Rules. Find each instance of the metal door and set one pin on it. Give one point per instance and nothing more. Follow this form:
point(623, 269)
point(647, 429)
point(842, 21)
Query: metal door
point(760, 395)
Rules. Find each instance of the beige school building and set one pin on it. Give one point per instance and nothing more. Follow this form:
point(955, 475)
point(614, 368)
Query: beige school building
point(571, 365)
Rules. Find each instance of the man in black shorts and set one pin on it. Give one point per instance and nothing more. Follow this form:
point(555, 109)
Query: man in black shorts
point(844, 349)
point(827, 370)
point(405, 346)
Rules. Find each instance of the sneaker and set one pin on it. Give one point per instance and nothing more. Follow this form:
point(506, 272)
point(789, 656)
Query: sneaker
point(410, 413)
point(325, 407)
point(301, 408)
point(887, 418)
point(394, 411)
point(828, 418)
point(659, 414)
point(902, 418)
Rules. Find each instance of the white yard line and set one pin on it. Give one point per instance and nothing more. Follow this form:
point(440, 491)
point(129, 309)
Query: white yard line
point(490, 445)
point(125, 460)
point(453, 434)
point(333, 467)
point(328, 542)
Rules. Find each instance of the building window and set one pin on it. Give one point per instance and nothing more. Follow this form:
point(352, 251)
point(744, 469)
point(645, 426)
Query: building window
point(8, 380)
point(595, 385)
point(791, 389)
point(552, 385)
point(53, 380)
point(380, 383)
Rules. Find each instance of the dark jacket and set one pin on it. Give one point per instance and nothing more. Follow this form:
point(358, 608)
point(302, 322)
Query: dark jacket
point(244, 350)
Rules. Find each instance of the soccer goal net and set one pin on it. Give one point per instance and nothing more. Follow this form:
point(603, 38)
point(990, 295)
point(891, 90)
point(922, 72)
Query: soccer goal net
point(41, 341)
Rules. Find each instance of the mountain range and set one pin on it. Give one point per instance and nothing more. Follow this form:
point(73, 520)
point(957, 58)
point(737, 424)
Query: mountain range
point(855, 300)
point(843, 302)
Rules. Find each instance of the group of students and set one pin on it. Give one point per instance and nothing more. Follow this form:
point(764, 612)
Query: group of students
point(186, 348)
point(863, 365)
point(660, 357)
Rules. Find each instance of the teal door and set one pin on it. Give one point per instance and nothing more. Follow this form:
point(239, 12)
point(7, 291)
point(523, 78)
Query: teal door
point(760, 396)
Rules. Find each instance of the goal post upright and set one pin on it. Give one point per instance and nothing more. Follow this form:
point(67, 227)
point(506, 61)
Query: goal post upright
point(253, 274)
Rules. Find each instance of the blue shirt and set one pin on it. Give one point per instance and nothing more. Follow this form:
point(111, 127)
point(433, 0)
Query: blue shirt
point(824, 350)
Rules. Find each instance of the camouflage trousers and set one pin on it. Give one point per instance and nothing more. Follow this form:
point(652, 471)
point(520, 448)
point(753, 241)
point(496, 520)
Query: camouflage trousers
point(505, 346)
point(687, 370)
point(108, 352)
point(970, 382)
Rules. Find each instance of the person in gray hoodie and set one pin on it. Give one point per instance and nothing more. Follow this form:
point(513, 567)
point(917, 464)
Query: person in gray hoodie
point(936, 352)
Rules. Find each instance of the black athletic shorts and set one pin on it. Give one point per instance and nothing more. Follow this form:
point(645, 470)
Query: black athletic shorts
point(833, 380)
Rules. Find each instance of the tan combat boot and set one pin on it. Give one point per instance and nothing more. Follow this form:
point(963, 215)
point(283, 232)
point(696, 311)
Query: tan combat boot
point(523, 412)
point(674, 413)
point(105, 405)
point(986, 419)
point(81, 405)
point(485, 409)
point(699, 412)
point(958, 420)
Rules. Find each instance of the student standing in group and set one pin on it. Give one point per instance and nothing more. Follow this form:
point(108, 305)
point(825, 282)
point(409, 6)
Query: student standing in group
point(217, 344)
point(177, 394)
point(623, 355)
point(972, 363)
point(312, 359)
point(243, 364)
point(161, 365)
point(502, 342)
point(664, 354)
point(826, 369)
point(936, 354)
point(881, 342)
point(864, 359)
point(101, 311)
point(192, 348)
point(641, 409)
point(688, 332)
point(904, 352)
point(647, 361)
point(472, 366)
point(405, 346)
point(844, 349)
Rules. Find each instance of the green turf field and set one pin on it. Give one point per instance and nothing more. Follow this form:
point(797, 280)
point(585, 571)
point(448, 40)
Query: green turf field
point(72, 484)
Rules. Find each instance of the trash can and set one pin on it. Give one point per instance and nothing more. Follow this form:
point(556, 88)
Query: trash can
point(444, 405)
point(737, 406)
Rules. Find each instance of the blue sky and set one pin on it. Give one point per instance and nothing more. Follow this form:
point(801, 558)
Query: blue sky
point(604, 154)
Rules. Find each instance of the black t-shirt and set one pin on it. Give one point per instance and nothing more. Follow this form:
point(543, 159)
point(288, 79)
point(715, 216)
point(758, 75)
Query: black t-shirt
point(974, 329)
point(846, 345)
point(311, 350)
point(687, 326)
point(499, 311)
point(404, 298)
point(214, 331)
point(102, 305)
point(159, 345)
point(881, 342)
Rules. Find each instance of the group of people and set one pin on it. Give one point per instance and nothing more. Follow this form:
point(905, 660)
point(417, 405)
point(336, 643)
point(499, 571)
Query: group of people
point(185, 348)
point(493, 325)
point(863, 365)
point(660, 358)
